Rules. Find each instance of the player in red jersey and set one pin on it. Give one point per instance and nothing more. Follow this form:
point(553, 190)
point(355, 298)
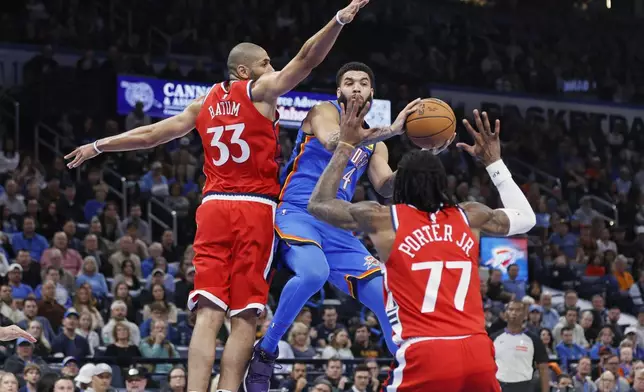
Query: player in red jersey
point(431, 258)
point(238, 124)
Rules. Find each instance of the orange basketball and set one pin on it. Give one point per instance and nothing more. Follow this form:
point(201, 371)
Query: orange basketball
point(432, 124)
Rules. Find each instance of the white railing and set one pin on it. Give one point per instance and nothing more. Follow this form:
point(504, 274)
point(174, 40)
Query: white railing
point(155, 219)
point(525, 172)
point(122, 194)
point(595, 200)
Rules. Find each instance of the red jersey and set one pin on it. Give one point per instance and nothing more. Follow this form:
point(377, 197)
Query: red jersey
point(241, 146)
point(432, 285)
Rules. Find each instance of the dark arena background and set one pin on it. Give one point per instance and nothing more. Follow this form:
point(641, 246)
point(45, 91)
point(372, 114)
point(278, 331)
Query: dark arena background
point(566, 79)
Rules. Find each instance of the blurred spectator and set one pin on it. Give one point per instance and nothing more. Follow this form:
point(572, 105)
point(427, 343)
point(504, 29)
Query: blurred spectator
point(122, 348)
point(546, 338)
point(19, 290)
point(362, 346)
point(183, 288)
point(154, 181)
point(570, 321)
point(71, 259)
point(68, 342)
point(42, 347)
point(624, 278)
point(69, 228)
point(29, 240)
point(296, 380)
point(157, 345)
point(158, 276)
point(30, 311)
point(121, 292)
point(158, 312)
point(171, 252)
point(31, 274)
point(333, 374)
point(68, 206)
point(84, 301)
point(582, 380)
point(125, 252)
point(159, 296)
point(142, 228)
point(177, 379)
point(495, 289)
point(567, 349)
point(605, 342)
point(62, 292)
point(118, 311)
point(90, 275)
point(70, 367)
point(570, 302)
point(137, 117)
point(24, 354)
point(128, 277)
point(110, 222)
point(9, 382)
point(8, 306)
point(94, 207)
point(625, 361)
point(339, 345)
point(84, 377)
point(90, 248)
point(586, 322)
point(322, 385)
point(611, 365)
point(563, 240)
point(86, 329)
point(101, 378)
point(300, 341)
point(550, 316)
point(360, 379)
point(31, 375)
point(136, 380)
point(140, 248)
point(49, 308)
point(12, 200)
point(534, 323)
point(514, 285)
point(328, 326)
point(155, 250)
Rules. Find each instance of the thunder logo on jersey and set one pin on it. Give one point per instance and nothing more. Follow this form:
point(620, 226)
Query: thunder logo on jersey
point(308, 161)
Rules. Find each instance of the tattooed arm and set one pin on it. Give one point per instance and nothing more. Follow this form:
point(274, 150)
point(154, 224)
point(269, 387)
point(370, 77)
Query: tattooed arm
point(340, 213)
point(488, 220)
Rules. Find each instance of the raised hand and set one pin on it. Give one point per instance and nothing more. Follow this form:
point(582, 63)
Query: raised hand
point(349, 12)
point(351, 130)
point(80, 155)
point(487, 147)
point(399, 123)
point(14, 332)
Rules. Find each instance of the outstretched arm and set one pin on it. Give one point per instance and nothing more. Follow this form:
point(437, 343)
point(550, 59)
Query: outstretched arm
point(140, 138)
point(517, 217)
point(313, 52)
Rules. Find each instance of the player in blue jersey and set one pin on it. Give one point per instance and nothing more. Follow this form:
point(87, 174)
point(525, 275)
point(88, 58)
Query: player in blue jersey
point(314, 250)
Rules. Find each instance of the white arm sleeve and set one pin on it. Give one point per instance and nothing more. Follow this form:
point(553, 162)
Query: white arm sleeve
point(517, 207)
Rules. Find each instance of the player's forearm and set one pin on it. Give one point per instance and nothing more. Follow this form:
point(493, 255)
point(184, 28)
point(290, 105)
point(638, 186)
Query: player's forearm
point(378, 135)
point(316, 48)
point(137, 139)
point(386, 188)
point(323, 203)
point(517, 207)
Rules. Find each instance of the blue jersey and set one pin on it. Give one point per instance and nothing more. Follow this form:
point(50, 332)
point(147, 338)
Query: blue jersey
point(308, 161)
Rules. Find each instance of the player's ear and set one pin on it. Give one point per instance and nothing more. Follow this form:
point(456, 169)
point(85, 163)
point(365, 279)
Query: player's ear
point(372, 93)
point(243, 71)
point(338, 93)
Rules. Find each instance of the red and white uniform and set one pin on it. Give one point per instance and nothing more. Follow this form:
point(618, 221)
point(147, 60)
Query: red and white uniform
point(235, 238)
point(434, 304)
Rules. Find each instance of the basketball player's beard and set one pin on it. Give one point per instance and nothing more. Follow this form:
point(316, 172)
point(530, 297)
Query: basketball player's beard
point(342, 99)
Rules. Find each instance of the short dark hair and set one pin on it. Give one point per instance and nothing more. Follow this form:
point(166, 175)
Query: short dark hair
point(328, 307)
point(333, 359)
point(562, 376)
point(354, 66)
point(572, 310)
point(421, 181)
point(361, 368)
point(567, 328)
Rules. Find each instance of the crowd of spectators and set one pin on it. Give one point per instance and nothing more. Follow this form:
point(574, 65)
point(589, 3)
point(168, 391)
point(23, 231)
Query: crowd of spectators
point(91, 280)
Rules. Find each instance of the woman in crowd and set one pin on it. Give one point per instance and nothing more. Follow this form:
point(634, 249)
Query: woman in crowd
point(158, 346)
point(89, 274)
point(121, 349)
point(8, 383)
point(122, 292)
point(176, 380)
point(86, 329)
point(42, 347)
point(546, 338)
point(300, 341)
point(128, 276)
point(159, 295)
point(85, 302)
point(339, 346)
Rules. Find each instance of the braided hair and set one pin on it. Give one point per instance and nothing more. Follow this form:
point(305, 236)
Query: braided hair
point(421, 181)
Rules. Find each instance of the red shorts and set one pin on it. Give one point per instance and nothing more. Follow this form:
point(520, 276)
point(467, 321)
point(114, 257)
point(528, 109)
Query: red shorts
point(233, 252)
point(459, 365)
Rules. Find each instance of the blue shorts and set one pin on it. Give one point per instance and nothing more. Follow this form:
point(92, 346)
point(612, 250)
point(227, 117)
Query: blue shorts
point(348, 259)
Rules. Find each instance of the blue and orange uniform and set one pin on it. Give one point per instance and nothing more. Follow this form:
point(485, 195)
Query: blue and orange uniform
point(315, 251)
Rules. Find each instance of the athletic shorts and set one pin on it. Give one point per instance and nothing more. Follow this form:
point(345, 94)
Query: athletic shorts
point(234, 247)
point(441, 365)
point(348, 259)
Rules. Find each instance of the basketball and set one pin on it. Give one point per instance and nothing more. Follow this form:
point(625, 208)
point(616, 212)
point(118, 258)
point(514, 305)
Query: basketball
point(432, 124)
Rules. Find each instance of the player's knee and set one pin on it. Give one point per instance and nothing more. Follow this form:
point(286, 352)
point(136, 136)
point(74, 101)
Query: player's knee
point(317, 275)
point(209, 315)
